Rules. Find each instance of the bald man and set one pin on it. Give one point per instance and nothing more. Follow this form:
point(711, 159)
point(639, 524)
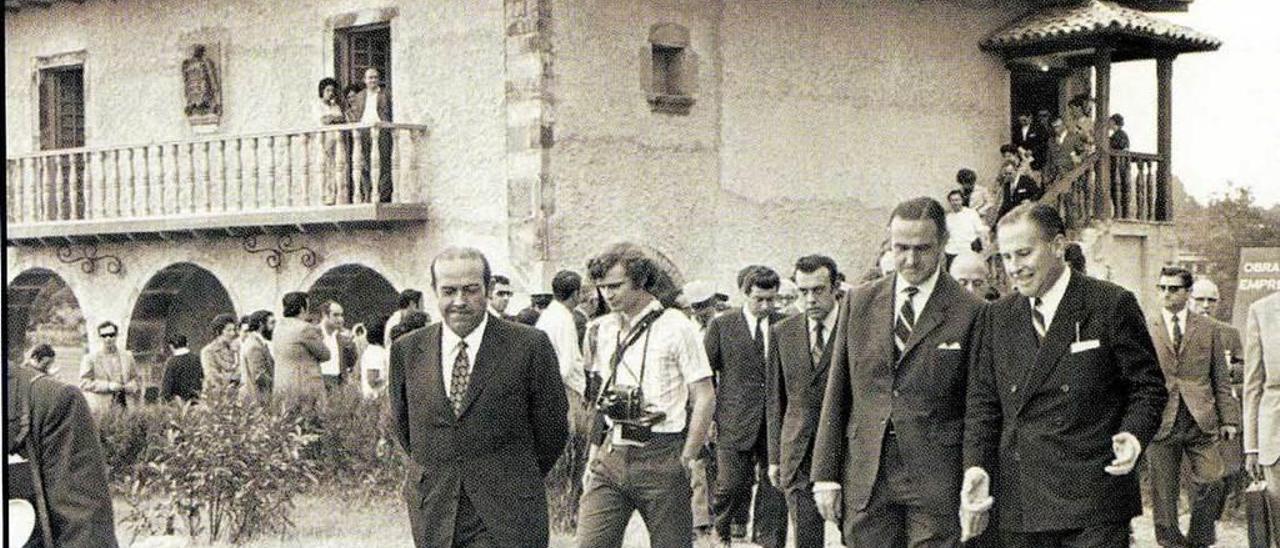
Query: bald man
point(1204, 301)
point(970, 269)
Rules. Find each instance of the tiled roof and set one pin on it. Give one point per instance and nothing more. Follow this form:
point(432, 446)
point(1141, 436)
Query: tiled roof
point(1094, 17)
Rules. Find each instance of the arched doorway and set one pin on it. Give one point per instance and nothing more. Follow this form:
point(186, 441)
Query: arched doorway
point(362, 291)
point(182, 298)
point(41, 308)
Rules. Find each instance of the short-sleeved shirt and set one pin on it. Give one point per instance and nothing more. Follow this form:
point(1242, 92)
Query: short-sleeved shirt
point(673, 360)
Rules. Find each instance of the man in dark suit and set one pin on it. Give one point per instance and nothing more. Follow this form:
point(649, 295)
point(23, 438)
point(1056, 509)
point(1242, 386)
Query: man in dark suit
point(1064, 393)
point(478, 405)
point(183, 376)
point(800, 350)
point(1064, 149)
point(371, 105)
point(887, 457)
point(1200, 410)
point(737, 346)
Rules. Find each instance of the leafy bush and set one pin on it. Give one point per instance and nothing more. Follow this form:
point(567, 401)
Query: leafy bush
point(354, 451)
point(127, 433)
point(227, 469)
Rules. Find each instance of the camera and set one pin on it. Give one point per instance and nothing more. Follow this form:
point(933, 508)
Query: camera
point(627, 408)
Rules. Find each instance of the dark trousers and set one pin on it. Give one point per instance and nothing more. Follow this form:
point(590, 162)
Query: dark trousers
point(648, 479)
point(808, 522)
point(896, 516)
point(468, 529)
point(736, 470)
point(384, 163)
point(1107, 535)
point(1164, 458)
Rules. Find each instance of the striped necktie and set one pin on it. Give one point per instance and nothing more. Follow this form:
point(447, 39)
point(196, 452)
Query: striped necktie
point(906, 320)
point(1037, 319)
point(819, 343)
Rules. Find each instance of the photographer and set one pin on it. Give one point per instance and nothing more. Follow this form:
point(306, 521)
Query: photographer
point(652, 365)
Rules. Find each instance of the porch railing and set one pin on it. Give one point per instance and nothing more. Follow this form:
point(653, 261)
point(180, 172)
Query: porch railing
point(338, 164)
point(1129, 189)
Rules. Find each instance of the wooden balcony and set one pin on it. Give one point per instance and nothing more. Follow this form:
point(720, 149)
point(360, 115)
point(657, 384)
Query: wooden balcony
point(329, 175)
point(1120, 185)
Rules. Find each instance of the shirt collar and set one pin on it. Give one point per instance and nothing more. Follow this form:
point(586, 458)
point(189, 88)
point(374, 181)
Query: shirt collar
point(926, 287)
point(1051, 298)
point(449, 339)
point(181, 352)
point(829, 321)
point(1168, 317)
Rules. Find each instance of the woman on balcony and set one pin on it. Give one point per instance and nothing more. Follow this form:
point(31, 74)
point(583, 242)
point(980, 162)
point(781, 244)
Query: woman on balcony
point(330, 110)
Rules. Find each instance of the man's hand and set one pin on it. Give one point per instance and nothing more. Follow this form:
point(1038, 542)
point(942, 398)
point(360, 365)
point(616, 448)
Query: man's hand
point(1227, 432)
point(775, 476)
point(1251, 465)
point(1126, 448)
point(975, 503)
point(687, 460)
point(829, 504)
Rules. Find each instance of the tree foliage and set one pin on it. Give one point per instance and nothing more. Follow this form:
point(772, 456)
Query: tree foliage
point(1231, 220)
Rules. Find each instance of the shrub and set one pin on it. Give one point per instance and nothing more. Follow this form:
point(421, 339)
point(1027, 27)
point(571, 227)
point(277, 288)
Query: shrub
point(225, 468)
point(127, 433)
point(354, 450)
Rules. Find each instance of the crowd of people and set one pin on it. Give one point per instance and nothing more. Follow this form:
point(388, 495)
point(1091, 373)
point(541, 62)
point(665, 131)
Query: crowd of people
point(974, 386)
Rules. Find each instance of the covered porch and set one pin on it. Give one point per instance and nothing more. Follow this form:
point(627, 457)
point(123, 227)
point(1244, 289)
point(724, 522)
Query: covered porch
point(1093, 34)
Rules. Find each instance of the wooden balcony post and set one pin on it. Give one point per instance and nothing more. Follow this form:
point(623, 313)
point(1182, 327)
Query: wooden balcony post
point(1164, 136)
point(1103, 204)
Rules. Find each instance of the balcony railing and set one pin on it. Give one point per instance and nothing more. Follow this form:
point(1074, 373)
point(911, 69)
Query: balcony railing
point(261, 172)
point(1128, 189)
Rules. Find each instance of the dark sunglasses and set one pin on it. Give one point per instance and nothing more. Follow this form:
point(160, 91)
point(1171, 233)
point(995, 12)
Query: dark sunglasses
point(107, 335)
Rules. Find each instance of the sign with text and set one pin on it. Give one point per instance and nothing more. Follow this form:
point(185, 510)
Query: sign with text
point(1259, 276)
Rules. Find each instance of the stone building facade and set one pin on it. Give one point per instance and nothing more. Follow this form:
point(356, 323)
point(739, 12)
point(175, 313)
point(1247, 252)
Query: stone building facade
point(717, 133)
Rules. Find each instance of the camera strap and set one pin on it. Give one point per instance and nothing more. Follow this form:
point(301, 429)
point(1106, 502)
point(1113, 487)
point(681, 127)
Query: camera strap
point(640, 328)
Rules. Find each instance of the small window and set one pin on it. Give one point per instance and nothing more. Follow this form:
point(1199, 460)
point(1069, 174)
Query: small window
point(672, 76)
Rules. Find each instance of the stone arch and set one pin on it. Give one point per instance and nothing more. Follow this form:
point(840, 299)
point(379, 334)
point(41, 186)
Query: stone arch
point(179, 298)
point(41, 307)
point(362, 291)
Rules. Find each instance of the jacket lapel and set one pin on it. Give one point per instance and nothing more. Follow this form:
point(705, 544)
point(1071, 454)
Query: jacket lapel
point(1162, 333)
point(934, 312)
point(433, 367)
point(483, 367)
point(1192, 330)
point(882, 330)
point(1056, 340)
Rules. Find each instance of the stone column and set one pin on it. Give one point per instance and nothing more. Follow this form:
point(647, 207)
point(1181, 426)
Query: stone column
point(530, 136)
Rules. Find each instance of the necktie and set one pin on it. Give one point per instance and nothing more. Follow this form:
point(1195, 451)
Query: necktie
point(759, 336)
point(1037, 319)
point(906, 320)
point(1177, 334)
point(460, 378)
point(818, 343)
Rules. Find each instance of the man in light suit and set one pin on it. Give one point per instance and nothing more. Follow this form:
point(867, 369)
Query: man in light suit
point(887, 456)
point(1064, 393)
point(297, 348)
point(373, 104)
point(1262, 397)
point(478, 406)
point(1200, 409)
point(1204, 301)
point(108, 376)
point(737, 351)
point(800, 350)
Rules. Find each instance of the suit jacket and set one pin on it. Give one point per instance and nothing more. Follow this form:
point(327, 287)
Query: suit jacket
point(1042, 417)
point(1196, 374)
point(511, 430)
point(1262, 380)
point(356, 109)
point(1059, 160)
point(1232, 343)
point(740, 371)
point(298, 348)
point(183, 378)
point(257, 367)
point(922, 394)
point(796, 385)
point(71, 460)
point(96, 374)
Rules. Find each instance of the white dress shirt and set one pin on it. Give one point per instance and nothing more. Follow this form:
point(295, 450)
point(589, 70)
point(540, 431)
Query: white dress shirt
point(1168, 321)
point(1051, 298)
point(333, 366)
point(751, 327)
point(557, 322)
point(370, 113)
point(828, 326)
point(965, 226)
point(449, 350)
point(921, 298)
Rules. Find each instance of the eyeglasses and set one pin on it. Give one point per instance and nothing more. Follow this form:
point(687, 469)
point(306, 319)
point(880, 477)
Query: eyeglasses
point(503, 293)
point(107, 335)
point(1205, 299)
point(1171, 288)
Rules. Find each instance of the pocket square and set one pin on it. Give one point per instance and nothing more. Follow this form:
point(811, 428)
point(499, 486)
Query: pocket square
point(1080, 346)
point(949, 346)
